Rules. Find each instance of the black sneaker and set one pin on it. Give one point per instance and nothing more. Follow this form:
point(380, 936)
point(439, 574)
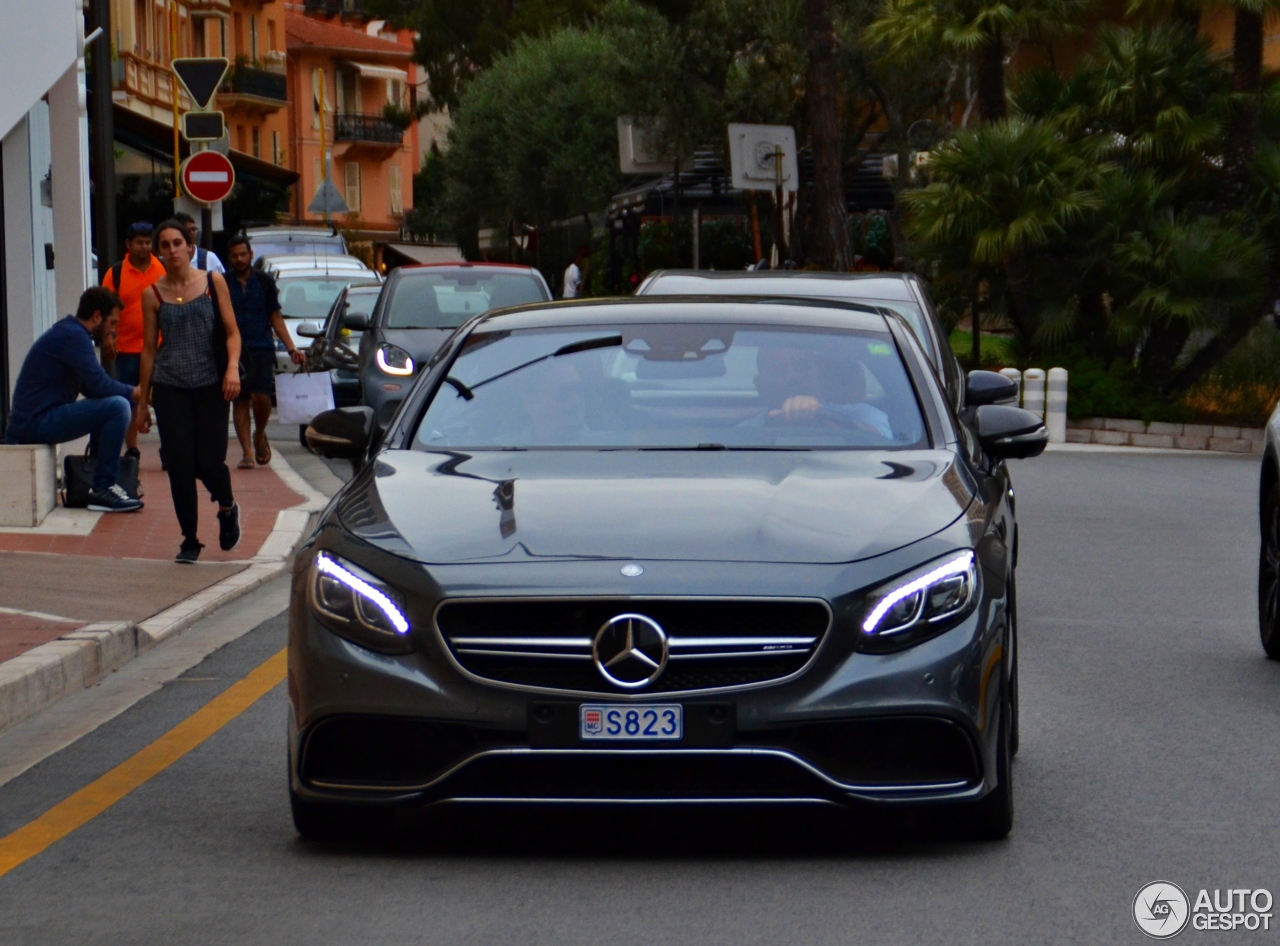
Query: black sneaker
point(189, 552)
point(133, 453)
point(113, 499)
point(229, 528)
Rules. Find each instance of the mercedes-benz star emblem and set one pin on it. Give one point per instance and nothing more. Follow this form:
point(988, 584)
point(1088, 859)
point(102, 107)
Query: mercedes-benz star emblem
point(632, 571)
point(630, 651)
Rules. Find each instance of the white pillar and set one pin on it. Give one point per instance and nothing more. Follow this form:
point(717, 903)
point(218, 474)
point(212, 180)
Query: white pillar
point(1014, 375)
point(19, 261)
point(1055, 406)
point(69, 138)
point(1033, 391)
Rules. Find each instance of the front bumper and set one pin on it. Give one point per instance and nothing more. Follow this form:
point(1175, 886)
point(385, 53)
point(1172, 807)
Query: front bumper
point(914, 726)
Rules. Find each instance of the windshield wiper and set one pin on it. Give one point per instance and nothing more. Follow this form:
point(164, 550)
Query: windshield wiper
point(463, 391)
point(587, 344)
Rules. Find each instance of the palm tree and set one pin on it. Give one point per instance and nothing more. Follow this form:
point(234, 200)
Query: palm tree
point(982, 30)
point(1002, 193)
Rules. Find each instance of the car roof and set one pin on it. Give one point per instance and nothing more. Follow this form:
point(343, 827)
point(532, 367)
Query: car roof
point(888, 286)
point(350, 276)
point(456, 265)
point(301, 259)
point(311, 232)
point(764, 310)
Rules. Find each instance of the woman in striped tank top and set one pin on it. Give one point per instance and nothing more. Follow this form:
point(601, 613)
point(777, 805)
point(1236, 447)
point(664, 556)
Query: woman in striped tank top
point(191, 369)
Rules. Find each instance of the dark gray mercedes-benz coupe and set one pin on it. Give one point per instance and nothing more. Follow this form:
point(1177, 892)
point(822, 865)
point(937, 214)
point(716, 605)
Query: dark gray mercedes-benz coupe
point(669, 551)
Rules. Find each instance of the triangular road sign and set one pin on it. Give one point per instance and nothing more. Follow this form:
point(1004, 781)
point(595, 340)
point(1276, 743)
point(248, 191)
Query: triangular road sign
point(201, 78)
point(328, 199)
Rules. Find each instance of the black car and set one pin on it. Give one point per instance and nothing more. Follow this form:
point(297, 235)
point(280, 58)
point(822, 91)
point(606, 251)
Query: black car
point(667, 551)
point(331, 348)
point(903, 293)
point(418, 311)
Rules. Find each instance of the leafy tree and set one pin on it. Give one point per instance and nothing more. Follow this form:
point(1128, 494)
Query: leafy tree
point(985, 30)
point(457, 41)
point(1001, 193)
point(534, 136)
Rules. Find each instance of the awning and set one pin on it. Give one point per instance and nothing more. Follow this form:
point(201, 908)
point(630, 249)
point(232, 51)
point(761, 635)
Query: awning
point(406, 254)
point(155, 140)
point(370, 71)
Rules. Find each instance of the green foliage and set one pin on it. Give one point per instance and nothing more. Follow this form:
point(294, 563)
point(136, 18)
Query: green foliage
point(529, 134)
point(457, 41)
point(725, 244)
point(1089, 220)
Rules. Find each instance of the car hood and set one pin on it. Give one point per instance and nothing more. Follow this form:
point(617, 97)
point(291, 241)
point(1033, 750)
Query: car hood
point(740, 506)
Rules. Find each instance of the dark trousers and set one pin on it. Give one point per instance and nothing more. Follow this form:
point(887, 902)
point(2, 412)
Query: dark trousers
point(193, 436)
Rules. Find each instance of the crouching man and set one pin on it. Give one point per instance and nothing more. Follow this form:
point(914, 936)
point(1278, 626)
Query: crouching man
point(60, 366)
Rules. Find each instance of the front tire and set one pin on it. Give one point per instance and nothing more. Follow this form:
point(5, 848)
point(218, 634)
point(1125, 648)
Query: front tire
point(1269, 575)
point(992, 817)
point(1014, 710)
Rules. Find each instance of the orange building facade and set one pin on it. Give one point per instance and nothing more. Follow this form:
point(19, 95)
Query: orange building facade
point(147, 34)
point(362, 76)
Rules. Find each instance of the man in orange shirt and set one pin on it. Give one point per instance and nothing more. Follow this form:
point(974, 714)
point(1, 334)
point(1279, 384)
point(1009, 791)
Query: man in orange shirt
point(130, 278)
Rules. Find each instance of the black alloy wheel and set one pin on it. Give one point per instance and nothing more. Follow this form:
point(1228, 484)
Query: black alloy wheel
point(1269, 575)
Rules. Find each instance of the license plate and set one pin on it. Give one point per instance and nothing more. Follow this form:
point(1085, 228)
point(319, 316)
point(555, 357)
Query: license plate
point(660, 722)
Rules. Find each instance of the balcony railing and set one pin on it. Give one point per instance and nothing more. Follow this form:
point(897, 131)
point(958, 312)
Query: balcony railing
point(246, 80)
point(332, 7)
point(366, 128)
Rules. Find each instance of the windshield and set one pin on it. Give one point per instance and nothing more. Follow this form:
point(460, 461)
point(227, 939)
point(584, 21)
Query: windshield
point(838, 290)
point(679, 386)
point(309, 298)
point(447, 298)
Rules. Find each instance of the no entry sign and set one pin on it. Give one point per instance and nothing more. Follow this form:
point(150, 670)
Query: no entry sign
point(207, 176)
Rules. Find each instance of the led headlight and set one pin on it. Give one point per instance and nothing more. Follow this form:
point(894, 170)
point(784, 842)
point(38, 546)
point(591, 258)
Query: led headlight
point(394, 360)
point(357, 605)
point(920, 604)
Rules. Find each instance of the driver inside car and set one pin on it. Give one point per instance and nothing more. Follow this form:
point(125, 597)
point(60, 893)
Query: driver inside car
point(799, 386)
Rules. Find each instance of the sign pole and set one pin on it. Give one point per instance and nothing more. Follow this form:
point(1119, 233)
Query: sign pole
point(324, 160)
point(173, 88)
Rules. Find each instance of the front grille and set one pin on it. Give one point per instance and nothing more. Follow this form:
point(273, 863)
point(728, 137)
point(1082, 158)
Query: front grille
point(546, 643)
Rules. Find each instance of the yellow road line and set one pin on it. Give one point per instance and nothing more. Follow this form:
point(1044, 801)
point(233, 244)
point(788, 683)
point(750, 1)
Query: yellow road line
point(96, 797)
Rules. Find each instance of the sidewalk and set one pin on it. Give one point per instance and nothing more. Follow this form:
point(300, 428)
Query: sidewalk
point(84, 592)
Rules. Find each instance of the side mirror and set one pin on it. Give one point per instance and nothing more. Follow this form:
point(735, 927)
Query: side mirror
point(1010, 433)
point(308, 330)
point(990, 387)
point(358, 321)
point(341, 434)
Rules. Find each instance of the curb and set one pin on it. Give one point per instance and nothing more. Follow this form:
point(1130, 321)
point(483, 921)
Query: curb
point(81, 658)
point(1112, 432)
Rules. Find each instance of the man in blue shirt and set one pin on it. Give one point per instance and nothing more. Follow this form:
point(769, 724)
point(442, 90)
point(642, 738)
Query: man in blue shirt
point(258, 316)
point(60, 366)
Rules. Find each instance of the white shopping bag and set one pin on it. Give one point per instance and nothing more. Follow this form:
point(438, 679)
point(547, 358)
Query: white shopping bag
point(301, 396)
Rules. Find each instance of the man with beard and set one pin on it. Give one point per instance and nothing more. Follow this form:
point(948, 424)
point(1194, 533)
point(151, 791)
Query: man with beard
point(60, 366)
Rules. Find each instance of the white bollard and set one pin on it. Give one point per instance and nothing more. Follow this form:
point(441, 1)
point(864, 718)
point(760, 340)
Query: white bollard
point(1033, 391)
point(1055, 406)
point(1014, 375)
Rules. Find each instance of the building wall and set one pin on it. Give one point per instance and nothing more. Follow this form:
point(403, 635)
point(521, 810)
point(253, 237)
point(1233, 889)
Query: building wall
point(375, 160)
point(44, 176)
point(250, 33)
